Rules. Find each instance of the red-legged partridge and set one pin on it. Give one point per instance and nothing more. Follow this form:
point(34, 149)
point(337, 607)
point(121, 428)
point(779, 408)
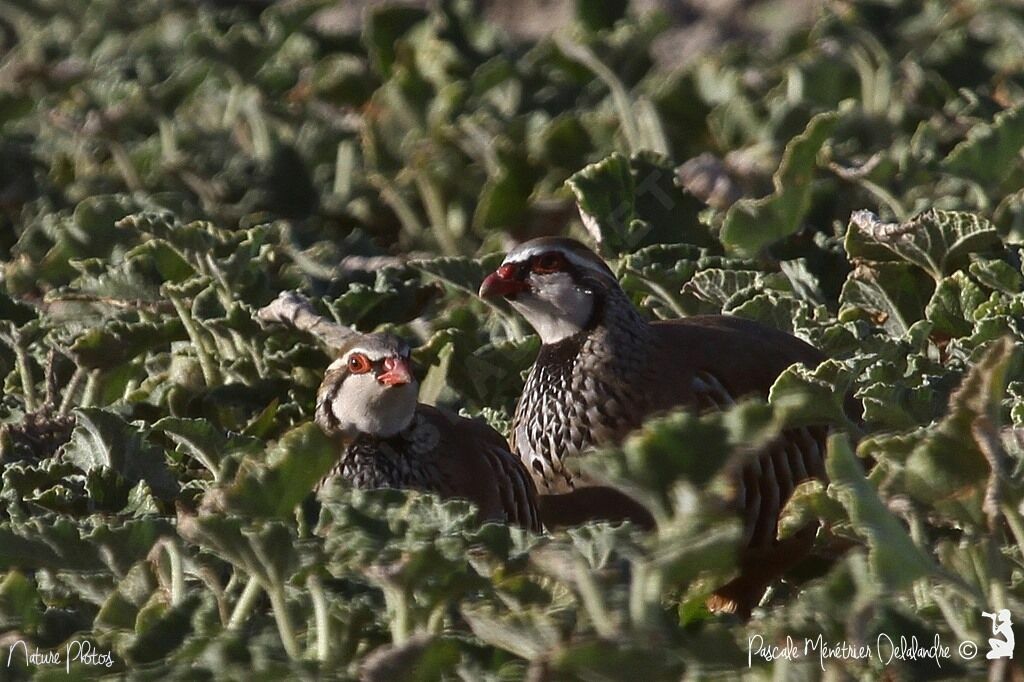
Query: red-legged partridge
point(603, 369)
point(368, 400)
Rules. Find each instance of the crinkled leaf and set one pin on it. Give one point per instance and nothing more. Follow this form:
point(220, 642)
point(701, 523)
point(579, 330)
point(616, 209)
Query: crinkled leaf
point(200, 439)
point(998, 275)
point(529, 635)
point(384, 27)
point(891, 295)
point(938, 242)
point(951, 308)
point(103, 439)
point(461, 273)
point(812, 396)
point(677, 447)
point(421, 657)
point(949, 468)
point(606, 195)
point(117, 342)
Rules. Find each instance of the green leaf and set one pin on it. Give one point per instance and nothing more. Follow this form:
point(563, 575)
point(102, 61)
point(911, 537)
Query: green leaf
point(293, 466)
point(812, 396)
point(102, 439)
point(389, 300)
point(897, 404)
point(529, 635)
point(950, 468)
point(420, 657)
point(709, 290)
point(753, 224)
point(627, 204)
point(384, 27)
point(21, 609)
point(606, 194)
point(57, 543)
point(679, 447)
point(991, 151)
point(199, 439)
point(117, 342)
point(938, 242)
point(462, 273)
point(896, 562)
point(492, 374)
point(997, 274)
point(505, 197)
point(951, 308)
point(596, 15)
point(267, 550)
point(809, 502)
point(165, 632)
point(891, 295)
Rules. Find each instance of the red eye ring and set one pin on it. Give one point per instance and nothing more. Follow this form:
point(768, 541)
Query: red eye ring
point(359, 363)
point(551, 261)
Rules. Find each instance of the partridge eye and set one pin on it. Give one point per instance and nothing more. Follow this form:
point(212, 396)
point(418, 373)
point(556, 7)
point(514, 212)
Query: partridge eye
point(548, 262)
point(359, 364)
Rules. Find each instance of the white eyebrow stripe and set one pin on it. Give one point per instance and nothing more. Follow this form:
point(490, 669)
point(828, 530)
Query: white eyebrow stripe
point(520, 256)
point(372, 355)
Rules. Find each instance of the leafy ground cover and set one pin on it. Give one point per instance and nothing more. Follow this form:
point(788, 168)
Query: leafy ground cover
point(167, 167)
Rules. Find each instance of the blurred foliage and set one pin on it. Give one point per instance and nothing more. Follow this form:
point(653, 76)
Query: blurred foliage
point(166, 167)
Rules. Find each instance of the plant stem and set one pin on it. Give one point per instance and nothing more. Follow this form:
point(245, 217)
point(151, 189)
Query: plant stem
point(28, 386)
point(211, 373)
point(389, 193)
point(261, 143)
point(398, 605)
point(125, 166)
point(284, 623)
point(344, 163)
point(323, 621)
point(430, 195)
point(245, 603)
point(177, 572)
point(627, 117)
point(168, 145)
point(638, 608)
point(592, 601)
point(231, 107)
point(92, 389)
point(1014, 521)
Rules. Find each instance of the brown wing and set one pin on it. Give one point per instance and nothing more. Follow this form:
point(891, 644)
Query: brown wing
point(711, 362)
point(743, 356)
point(475, 464)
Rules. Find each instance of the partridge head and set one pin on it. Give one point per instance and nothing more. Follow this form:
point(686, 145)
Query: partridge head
point(368, 400)
point(370, 389)
point(555, 283)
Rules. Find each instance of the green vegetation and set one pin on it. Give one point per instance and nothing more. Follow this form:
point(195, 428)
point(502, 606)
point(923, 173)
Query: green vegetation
point(167, 167)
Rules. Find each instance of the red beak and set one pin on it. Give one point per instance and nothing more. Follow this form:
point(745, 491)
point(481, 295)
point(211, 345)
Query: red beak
point(396, 372)
point(504, 281)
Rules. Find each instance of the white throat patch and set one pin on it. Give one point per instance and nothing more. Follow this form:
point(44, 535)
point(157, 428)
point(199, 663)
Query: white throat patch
point(555, 306)
point(363, 405)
